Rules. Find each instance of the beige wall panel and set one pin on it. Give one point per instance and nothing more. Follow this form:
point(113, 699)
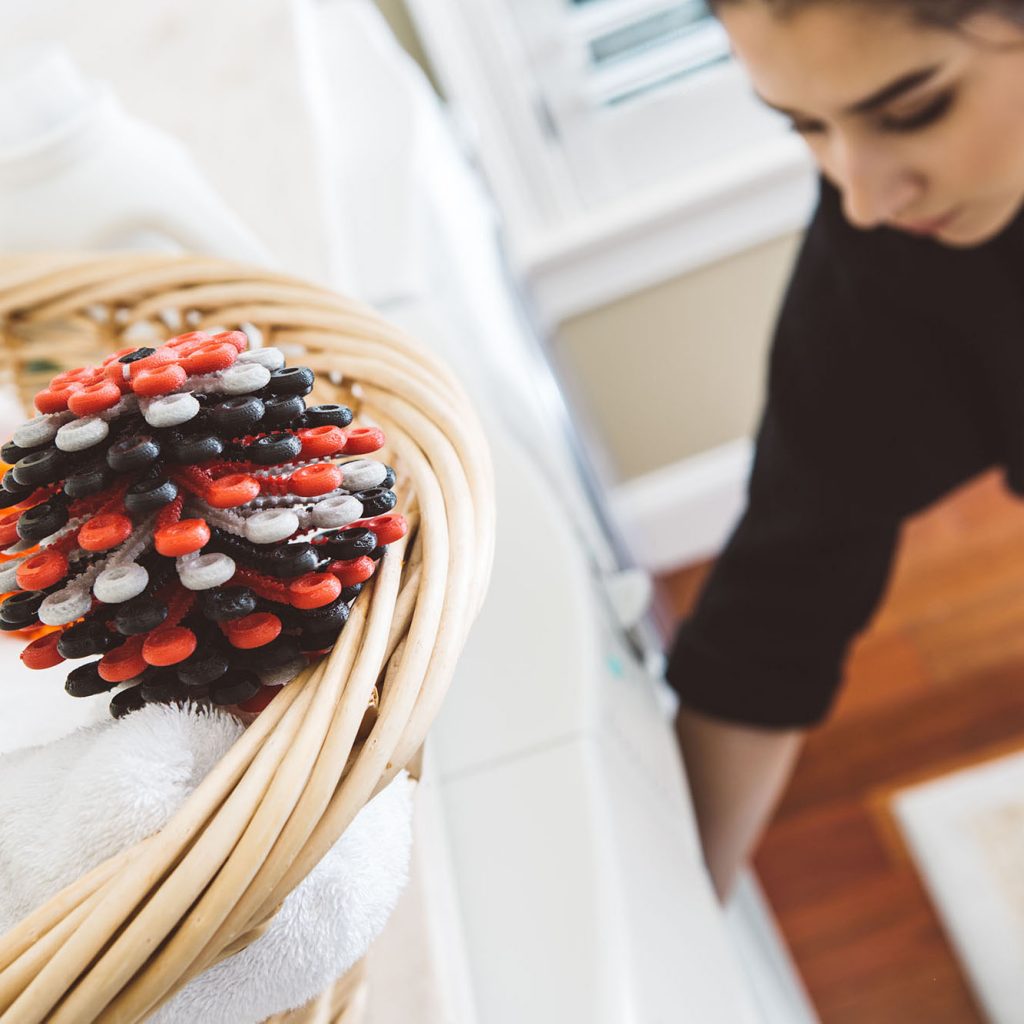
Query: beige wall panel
point(678, 368)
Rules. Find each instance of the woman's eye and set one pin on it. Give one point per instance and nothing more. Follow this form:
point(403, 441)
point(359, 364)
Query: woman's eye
point(806, 127)
point(927, 115)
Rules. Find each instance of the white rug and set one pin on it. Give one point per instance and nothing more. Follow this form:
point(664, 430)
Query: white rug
point(965, 832)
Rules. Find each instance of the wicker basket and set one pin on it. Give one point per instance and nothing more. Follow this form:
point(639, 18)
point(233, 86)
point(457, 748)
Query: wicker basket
point(125, 937)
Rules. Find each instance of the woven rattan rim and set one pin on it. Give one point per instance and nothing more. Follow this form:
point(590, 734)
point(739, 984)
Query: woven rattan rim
point(121, 940)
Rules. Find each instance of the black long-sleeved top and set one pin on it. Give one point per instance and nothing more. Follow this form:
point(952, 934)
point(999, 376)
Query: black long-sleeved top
point(896, 373)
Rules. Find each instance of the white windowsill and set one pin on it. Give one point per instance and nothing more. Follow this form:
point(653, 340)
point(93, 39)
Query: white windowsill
point(684, 512)
point(754, 196)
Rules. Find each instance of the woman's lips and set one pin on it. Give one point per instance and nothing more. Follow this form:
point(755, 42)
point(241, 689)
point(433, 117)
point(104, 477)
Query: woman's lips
point(929, 227)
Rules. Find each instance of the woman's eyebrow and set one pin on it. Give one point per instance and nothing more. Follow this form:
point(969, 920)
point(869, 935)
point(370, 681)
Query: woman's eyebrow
point(894, 89)
point(880, 97)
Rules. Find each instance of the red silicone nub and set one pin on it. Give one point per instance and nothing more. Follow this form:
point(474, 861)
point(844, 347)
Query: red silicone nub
point(353, 570)
point(184, 537)
point(42, 653)
point(106, 531)
point(168, 646)
point(232, 491)
point(311, 481)
point(252, 631)
point(314, 590)
point(42, 570)
point(363, 440)
point(124, 662)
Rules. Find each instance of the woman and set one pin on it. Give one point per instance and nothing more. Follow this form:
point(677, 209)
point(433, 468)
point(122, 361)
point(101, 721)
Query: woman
point(896, 371)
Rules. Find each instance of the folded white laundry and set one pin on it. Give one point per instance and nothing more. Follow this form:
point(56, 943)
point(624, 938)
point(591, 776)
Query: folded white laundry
point(66, 806)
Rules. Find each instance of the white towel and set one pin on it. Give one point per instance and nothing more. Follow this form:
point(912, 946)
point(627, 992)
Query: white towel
point(67, 805)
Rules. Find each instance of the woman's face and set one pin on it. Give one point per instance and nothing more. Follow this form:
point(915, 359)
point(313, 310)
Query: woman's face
point(920, 128)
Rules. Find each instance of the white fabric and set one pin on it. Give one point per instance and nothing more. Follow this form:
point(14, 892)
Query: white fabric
point(108, 785)
point(224, 161)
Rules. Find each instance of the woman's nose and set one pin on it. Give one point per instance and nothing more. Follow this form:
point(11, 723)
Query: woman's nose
point(874, 189)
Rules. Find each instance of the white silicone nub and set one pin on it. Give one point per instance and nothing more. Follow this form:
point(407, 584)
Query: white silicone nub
point(206, 571)
point(271, 358)
point(9, 578)
point(120, 583)
point(78, 435)
point(35, 432)
point(271, 526)
point(340, 511)
point(65, 606)
point(170, 410)
point(242, 378)
point(363, 473)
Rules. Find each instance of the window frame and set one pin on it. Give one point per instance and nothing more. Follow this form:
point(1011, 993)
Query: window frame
point(573, 252)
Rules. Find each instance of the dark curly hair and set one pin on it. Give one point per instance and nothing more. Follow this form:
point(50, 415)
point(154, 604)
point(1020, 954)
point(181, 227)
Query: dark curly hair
point(944, 13)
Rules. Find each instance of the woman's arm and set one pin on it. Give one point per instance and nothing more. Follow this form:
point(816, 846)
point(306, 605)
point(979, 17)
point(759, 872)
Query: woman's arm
point(737, 774)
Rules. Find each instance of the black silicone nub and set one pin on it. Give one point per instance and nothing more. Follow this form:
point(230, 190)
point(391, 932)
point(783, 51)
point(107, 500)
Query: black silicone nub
point(290, 560)
point(139, 353)
point(270, 657)
point(328, 616)
point(162, 686)
point(203, 667)
point(85, 640)
point(20, 609)
point(149, 494)
point(40, 521)
point(291, 618)
point(389, 478)
point(86, 681)
point(238, 548)
point(276, 654)
point(124, 702)
point(291, 380)
point(328, 416)
point(12, 453)
point(234, 687)
point(350, 593)
point(7, 499)
point(133, 453)
point(318, 639)
point(139, 615)
point(13, 487)
point(40, 467)
point(282, 409)
point(237, 416)
point(347, 544)
point(223, 604)
point(273, 449)
point(376, 501)
point(90, 480)
point(188, 451)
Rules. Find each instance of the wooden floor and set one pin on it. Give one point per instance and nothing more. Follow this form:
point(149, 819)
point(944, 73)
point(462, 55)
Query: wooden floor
point(936, 682)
